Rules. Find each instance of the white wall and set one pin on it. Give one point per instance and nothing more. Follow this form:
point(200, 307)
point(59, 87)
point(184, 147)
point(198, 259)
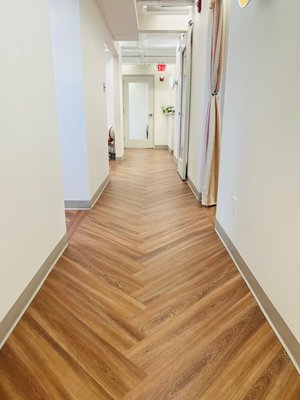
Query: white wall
point(161, 23)
point(163, 96)
point(118, 95)
point(65, 36)
point(31, 211)
point(200, 92)
point(171, 131)
point(260, 161)
point(114, 99)
point(92, 38)
point(78, 34)
point(109, 91)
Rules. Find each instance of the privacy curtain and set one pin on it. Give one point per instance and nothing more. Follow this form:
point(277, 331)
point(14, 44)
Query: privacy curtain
point(213, 120)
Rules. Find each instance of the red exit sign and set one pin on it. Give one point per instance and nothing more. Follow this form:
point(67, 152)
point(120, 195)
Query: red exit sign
point(161, 67)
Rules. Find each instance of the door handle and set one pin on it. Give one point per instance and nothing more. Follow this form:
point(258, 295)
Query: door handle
point(147, 132)
point(150, 115)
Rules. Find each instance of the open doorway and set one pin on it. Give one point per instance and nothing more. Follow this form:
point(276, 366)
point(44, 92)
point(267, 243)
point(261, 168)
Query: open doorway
point(157, 114)
point(183, 102)
point(110, 105)
point(154, 58)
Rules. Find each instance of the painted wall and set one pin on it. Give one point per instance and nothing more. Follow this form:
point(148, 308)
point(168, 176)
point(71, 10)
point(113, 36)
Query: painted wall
point(109, 89)
point(163, 96)
point(92, 27)
point(156, 23)
point(31, 211)
point(79, 27)
point(114, 99)
point(200, 89)
point(65, 34)
point(260, 162)
point(118, 94)
point(171, 131)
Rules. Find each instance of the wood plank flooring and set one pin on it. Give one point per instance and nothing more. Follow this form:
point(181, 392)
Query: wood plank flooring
point(145, 304)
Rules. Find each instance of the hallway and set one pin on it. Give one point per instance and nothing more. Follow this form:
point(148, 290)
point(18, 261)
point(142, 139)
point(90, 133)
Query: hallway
point(145, 304)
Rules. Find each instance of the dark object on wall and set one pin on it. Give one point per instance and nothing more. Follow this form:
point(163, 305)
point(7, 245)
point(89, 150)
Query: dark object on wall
point(161, 78)
point(199, 5)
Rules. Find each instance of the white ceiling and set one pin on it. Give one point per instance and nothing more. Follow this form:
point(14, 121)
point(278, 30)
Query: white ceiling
point(171, 3)
point(160, 22)
point(151, 48)
point(164, 7)
point(154, 40)
point(121, 18)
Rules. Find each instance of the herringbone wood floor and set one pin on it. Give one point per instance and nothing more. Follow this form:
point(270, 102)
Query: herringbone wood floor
point(145, 304)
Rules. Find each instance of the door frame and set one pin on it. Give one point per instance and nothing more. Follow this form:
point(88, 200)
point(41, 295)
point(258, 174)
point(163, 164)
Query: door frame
point(125, 121)
point(185, 46)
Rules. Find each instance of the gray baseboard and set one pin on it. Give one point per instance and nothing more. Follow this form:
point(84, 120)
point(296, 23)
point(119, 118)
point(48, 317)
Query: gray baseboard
point(170, 151)
point(281, 329)
point(161, 146)
point(99, 191)
point(194, 189)
point(86, 204)
point(13, 316)
point(77, 204)
point(120, 159)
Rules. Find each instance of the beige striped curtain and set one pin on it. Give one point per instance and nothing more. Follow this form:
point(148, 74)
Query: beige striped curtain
point(213, 120)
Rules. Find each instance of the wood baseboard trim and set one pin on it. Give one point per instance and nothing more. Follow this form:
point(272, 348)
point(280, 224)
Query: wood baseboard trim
point(14, 315)
point(87, 204)
point(194, 189)
point(279, 326)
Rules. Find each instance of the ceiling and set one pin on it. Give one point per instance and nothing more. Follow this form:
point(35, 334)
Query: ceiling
point(160, 24)
point(147, 30)
point(151, 48)
point(120, 17)
point(164, 7)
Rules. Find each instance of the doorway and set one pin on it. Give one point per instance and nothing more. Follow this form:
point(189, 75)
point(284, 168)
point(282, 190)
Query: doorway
point(138, 111)
point(184, 89)
point(182, 161)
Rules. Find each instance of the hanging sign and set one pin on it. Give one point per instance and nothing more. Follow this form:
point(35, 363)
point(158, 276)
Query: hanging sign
point(161, 67)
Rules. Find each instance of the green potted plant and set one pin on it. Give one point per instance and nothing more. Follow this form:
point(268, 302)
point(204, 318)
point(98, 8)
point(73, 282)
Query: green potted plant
point(168, 109)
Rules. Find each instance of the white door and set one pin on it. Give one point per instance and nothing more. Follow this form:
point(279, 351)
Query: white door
point(184, 108)
point(138, 111)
